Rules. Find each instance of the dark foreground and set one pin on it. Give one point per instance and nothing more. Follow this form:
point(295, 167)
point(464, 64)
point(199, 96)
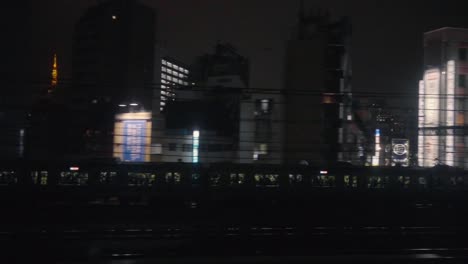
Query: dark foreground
point(334, 228)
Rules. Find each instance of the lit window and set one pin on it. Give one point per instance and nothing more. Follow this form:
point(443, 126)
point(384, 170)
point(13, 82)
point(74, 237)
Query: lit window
point(164, 76)
point(164, 62)
point(169, 71)
point(164, 69)
point(169, 64)
point(185, 83)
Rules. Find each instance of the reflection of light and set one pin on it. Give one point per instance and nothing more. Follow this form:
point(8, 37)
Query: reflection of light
point(122, 105)
point(74, 168)
point(134, 104)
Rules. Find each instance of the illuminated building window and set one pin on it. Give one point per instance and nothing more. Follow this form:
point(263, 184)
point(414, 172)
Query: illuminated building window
point(460, 118)
point(462, 54)
point(164, 69)
point(164, 76)
point(263, 106)
point(164, 62)
point(185, 83)
point(462, 80)
point(260, 149)
point(169, 71)
point(169, 64)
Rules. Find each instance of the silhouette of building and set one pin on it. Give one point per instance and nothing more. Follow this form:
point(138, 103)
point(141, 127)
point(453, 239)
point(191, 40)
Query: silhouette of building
point(113, 70)
point(317, 91)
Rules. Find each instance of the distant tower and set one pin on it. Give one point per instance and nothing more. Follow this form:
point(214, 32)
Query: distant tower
point(54, 81)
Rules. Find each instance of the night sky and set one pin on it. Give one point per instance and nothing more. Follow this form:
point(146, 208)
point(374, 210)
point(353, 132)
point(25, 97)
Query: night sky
point(387, 35)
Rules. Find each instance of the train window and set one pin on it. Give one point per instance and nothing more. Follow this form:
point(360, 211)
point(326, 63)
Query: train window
point(266, 180)
point(456, 180)
point(215, 179)
point(350, 181)
point(295, 179)
point(39, 177)
point(8, 177)
point(73, 178)
point(141, 179)
point(422, 181)
point(107, 176)
point(196, 179)
point(173, 177)
point(237, 178)
point(404, 181)
point(377, 182)
point(323, 181)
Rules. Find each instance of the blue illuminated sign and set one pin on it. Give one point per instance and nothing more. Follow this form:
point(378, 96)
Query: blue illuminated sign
point(134, 138)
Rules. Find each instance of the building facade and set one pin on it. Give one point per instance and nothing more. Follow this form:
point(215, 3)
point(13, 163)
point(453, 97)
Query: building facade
point(317, 93)
point(442, 107)
point(113, 70)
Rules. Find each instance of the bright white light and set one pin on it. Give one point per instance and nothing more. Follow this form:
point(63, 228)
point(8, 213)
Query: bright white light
point(114, 17)
point(74, 168)
point(134, 104)
point(196, 143)
point(323, 172)
point(122, 105)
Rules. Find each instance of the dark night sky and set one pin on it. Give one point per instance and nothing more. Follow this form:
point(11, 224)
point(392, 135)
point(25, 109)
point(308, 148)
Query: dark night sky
point(387, 35)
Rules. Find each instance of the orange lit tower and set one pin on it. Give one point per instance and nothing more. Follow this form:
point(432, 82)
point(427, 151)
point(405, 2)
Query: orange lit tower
point(53, 82)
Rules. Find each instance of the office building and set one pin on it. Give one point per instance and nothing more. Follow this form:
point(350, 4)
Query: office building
point(317, 91)
point(442, 107)
point(174, 76)
point(113, 70)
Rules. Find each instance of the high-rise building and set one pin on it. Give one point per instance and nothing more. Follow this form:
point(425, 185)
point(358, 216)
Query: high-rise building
point(113, 68)
point(318, 90)
point(113, 53)
point(174, 74)
point(442, 107)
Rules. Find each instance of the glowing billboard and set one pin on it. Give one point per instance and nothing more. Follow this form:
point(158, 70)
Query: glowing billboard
point(400, 150)
point(431, 98)
point(134, 133)
point(132, 137)
point(450, 118)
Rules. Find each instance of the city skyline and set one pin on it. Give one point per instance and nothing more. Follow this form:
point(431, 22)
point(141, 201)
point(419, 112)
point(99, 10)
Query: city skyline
point(263, 40)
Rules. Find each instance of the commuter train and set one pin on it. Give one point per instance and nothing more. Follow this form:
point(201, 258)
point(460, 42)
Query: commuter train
point(173, 177)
